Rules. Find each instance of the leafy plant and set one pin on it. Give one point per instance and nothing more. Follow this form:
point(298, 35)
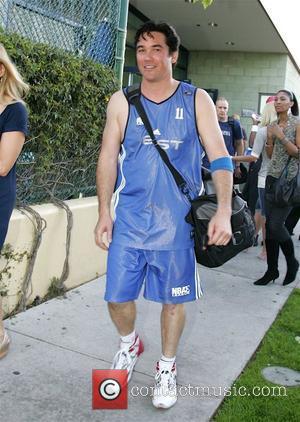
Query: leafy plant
point(8, 256)
point(205, 3)
point(66, 103)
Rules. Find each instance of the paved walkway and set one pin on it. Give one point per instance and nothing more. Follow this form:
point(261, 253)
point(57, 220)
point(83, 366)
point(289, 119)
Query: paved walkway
point(46, 377)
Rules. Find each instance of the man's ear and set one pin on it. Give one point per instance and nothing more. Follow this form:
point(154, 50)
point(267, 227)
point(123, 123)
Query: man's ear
point(174, 56)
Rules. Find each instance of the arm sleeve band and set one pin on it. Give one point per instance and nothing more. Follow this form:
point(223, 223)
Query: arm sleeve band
point(222, 163)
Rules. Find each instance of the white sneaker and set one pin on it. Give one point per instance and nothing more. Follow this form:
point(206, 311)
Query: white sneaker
point(165, 387)
point(127, 357)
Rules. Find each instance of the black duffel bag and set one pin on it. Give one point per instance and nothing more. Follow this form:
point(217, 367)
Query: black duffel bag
point(243, 229)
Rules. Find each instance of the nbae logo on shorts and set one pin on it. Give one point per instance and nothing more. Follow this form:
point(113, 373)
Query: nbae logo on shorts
point(181, 291)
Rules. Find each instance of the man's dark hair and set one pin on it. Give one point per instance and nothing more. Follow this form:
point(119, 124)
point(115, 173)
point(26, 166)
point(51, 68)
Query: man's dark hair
point(172, 38)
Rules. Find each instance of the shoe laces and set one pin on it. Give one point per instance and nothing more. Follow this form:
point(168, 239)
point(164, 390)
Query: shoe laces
point(122, 359)
point(125, 356)
point(165, 378)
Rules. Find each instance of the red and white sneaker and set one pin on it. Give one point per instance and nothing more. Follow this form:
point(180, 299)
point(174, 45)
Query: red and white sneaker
point(127, 357)
point(165, 387)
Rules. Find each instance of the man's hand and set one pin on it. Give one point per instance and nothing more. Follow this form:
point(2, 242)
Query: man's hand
point(219, 228)
point(255, 119)
point(237, 172)
point(103, 232)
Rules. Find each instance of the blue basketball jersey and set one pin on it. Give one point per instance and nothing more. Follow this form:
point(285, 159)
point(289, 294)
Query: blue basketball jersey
point(149, 208)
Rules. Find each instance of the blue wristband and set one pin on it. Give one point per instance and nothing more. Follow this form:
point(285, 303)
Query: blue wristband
point(222, 163)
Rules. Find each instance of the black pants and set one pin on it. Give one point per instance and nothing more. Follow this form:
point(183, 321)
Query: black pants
point(292, 219)
point(275, 215)
point(250, 191)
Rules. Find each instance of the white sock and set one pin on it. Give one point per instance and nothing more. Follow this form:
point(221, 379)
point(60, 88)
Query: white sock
point(166, 363)
point(126, 341)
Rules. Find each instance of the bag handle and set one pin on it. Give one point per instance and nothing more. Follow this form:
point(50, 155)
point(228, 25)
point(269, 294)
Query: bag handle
point(133, 95)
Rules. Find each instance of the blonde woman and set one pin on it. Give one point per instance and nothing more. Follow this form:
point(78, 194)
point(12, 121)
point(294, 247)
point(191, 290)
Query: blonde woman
point(13, 129)
point(268, 116)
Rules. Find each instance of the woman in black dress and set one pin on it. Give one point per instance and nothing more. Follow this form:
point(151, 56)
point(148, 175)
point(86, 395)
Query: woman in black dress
point(13, 129)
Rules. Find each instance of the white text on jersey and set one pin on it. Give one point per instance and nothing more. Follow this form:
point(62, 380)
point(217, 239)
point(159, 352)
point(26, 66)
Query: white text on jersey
point(179, 113)
point(164, 143)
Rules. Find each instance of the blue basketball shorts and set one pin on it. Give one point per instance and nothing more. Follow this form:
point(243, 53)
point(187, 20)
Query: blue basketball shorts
point(167, 276)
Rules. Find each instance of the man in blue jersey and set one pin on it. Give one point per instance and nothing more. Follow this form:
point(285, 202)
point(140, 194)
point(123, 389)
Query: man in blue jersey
point(149, 243)
point(231, 131)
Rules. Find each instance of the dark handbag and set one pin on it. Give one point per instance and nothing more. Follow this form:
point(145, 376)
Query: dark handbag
point(205, 206)
point(287, 192)
point(242, 223)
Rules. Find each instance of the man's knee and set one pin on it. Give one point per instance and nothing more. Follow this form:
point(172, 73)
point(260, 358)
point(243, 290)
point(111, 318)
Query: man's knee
point(113, 306)
point(173, 309)
point(119, 306)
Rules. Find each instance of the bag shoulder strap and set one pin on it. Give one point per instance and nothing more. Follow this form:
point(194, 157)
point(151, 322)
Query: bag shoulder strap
point(133, 95)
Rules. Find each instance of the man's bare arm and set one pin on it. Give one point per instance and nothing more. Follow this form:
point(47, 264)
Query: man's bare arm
point(219, 231)
point(239, 145)
point(106, 173)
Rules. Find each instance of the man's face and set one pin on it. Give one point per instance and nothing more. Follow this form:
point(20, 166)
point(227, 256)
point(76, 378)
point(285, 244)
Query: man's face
point(222, 110)
point(153, 57)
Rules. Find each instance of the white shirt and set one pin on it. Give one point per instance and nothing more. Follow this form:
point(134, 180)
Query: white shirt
point(257, 150)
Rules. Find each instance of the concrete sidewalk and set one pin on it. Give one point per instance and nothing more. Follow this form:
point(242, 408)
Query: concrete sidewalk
point(47, 374)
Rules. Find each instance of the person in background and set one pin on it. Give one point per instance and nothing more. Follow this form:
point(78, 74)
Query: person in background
point(258, 150)
point(236, 117)
point(250, 191)
point(13, 129)
point(232, 134)
point(283, 144)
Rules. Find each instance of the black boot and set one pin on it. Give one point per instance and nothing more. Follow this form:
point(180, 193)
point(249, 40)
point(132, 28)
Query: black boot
point(291, 273)
point(272, 247)
point(267, 277)
point(287, 248)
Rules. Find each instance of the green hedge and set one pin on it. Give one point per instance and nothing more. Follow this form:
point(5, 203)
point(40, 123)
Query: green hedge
point(67, 103)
